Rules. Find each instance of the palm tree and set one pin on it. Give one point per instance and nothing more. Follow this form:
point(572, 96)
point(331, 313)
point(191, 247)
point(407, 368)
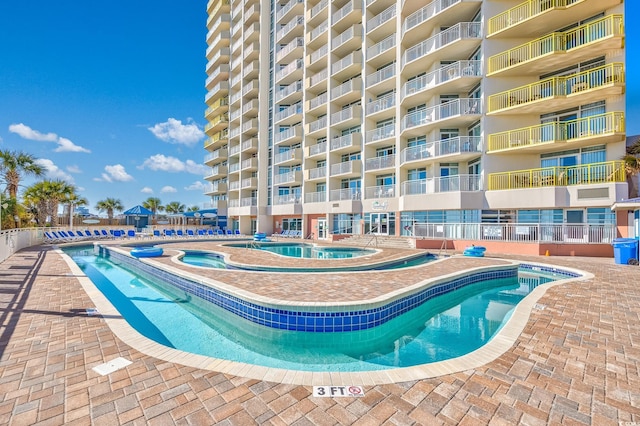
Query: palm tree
point(109, 205)
point(174, 207)
point(154, 204)
point(46, 197)
point(74, 200)
point(193, 209)
point(632, 167)
point(13, 166)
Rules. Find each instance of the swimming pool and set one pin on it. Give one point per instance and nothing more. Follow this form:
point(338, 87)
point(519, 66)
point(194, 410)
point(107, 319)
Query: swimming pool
point(307, 251)
point(427, 333)
point(209, 259)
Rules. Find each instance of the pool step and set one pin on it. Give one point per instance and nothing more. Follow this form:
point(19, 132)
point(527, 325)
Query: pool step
point(384, 241)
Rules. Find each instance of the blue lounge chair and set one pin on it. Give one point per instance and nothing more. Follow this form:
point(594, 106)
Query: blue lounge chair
point(201, 233)
point(229, 233)
point(131, 233)
point(237, 233)
point(156, 233)
point(220, 233)
point(210, 233)
point(190, 233)
point(179, 233)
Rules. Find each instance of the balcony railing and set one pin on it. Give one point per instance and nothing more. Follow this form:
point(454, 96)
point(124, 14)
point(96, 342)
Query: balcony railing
point(318, 8)
point(351, 32)
point(287, 112)
point(289, 132)
point(287, 7)
point(427, 12)
point(297, 42)
point(315, 197)
point(557, 233)
point(280, 200)
point(457, 145)
point(381, 75)
point(558, 86)
point(318, 148)
point(445, 110)
point(382, 46)
point(290, 154)
point(384, 132)
point(355, 84)
point(380, 104)
point(442, 75)
point(287, 177)
point(344, 114)
point(377, 163)
point(524, 11)
point(320, 123)
point(318, 77)
point(382, 191)
point(460, 31)
point(350, 59)
point(342, 168)
point(293, 66)
point(344, 194)
point(435, 185)
point(322, 51)
point(320, 29)
point(318, 173)
point(600, 29)
point(382, 17)
point(581, 128)
point(289, 90)
point(584, 174)
point(345, 141)
point(318, 100)
point(295, 22)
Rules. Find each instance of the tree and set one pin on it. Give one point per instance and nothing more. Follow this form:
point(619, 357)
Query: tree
point(174, 207)
point(13, 166)
point(632, 167)
point(193, 209)
point(45, 197)
point(73, 200)
point(109, 205)
point(154, 204)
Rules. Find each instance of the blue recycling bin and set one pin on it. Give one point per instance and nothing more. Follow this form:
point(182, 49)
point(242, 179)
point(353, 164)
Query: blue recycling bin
point(625, 249)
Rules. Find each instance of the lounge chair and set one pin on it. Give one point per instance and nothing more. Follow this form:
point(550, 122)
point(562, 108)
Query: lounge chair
point(237, 233)
point(49, 238)
point(220, 233)
point(179, 233)
point(131, 233)
point(201, 233)
point(229, 233)
point(190, 233)
point(156, 233)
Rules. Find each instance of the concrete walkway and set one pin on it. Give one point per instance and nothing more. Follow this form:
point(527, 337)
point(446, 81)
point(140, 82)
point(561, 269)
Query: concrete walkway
point(577, 362)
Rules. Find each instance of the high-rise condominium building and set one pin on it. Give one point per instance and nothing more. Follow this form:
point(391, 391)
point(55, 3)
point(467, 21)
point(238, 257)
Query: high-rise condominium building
point(495, 120)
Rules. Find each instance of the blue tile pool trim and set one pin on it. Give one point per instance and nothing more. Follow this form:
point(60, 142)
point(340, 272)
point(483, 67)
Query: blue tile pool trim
point(320, 321)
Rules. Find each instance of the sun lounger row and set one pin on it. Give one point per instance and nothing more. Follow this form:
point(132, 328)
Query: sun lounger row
point(289, 234)
point(52, 237)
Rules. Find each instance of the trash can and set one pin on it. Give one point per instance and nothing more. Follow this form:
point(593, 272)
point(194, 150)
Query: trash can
point(624, 250)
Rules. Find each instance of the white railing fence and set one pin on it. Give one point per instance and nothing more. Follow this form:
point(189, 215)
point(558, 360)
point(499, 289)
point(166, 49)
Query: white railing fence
point(13, 240)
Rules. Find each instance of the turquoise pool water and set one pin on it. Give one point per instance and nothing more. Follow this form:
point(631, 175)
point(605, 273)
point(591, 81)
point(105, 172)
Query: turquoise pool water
point(307, 251)
point(444, 327)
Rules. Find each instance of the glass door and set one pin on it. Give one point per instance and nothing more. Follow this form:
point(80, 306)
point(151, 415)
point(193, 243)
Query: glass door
point(322, 228)
point(379, 223)
point(575, 228)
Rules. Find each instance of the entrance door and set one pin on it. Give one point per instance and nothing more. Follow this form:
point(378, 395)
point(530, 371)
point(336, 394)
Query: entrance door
point(379, 223)
point(322, 229)
point(575, 230)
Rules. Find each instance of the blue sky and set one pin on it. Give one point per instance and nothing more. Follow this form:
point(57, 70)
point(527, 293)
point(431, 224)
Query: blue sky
point(109, 95)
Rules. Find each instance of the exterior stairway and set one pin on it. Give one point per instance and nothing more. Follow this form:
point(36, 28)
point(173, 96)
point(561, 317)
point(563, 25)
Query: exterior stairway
point(384, 241)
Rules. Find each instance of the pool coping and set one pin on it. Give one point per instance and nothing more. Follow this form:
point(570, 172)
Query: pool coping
point(498, 345)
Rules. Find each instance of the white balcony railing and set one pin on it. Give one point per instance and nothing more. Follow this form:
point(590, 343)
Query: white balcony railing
point(382, 17)
point(456, 183)
point(457, 145)
point(381, 75)
point(460, 31)
point(442, 111)
point(380, 104)
point(442, 75)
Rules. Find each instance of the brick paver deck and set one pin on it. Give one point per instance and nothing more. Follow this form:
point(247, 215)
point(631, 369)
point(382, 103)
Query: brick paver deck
point(577, 362)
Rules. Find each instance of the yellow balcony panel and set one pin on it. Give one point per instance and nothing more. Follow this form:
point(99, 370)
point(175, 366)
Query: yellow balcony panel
point(559, 49)
point(548, 137)
point(217, 7)
point(217, 107)
point(217, 140)
point(538, 17)
point(440, 13)
point(584, 174)
point(559, 93)
point(216, 124)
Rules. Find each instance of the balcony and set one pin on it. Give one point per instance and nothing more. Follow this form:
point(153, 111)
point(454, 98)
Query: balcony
point(347, 41)
point(315, 103)
point(234, 168)
point(216, 124)
point(458, 149)
point(382, 80)
point(279, 200)
point(220, 89)
point(249, 183)
point(317, 58)
point(216, 156)
point(217, 140)
point(289, 93)
point(250, 90)
point(288, 135)
point(252, 33)
point(219, 42)
point(559, 93)
point(382, 52)
point(380, 105)
point(220, 57)
point(250, 126)
point(288, 157)
point(316, 37)
point(286, 33)
point(550, 51)
point(314, 127)
point(345, 194)
point(286, 12)
point(315, 197)
point(458, 41)
point(547, 137)
point(348, 91)
point(346, 143)
point(434, 185)
point(318, 12)
point(319, 173)
point(380, 135)
point(455, 113)
point(251, 70)
point(218, 187)
point(217, 172)
point(458, 77)
point(349, 14)
point(347, 169)
point(438, 13)
point(218, 107)
point(347, 66)
point(289, 115)
point(381, 191)
point(216, 7)
point(376, 25)
point(318, 149)
point(380, 163)
point(290, 73)
point(534, 17)
point(249, 165)
point(584, 174)
point(291, 51)
point(252, 14)
point(250, 109)
point(219, 74)
point(249, 146)
point(347, 117)
point(288, 178)
point(318, 81)
point(250, 52)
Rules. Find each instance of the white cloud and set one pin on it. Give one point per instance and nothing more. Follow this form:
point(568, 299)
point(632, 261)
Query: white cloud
point(166, 189)
point(74, 169)
point(65, 145)
point(173, 131)
point(146, 190)
point(27, 132)
point(52, 171)
point(170, 164)
point(195, 186)
point(117, 173)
